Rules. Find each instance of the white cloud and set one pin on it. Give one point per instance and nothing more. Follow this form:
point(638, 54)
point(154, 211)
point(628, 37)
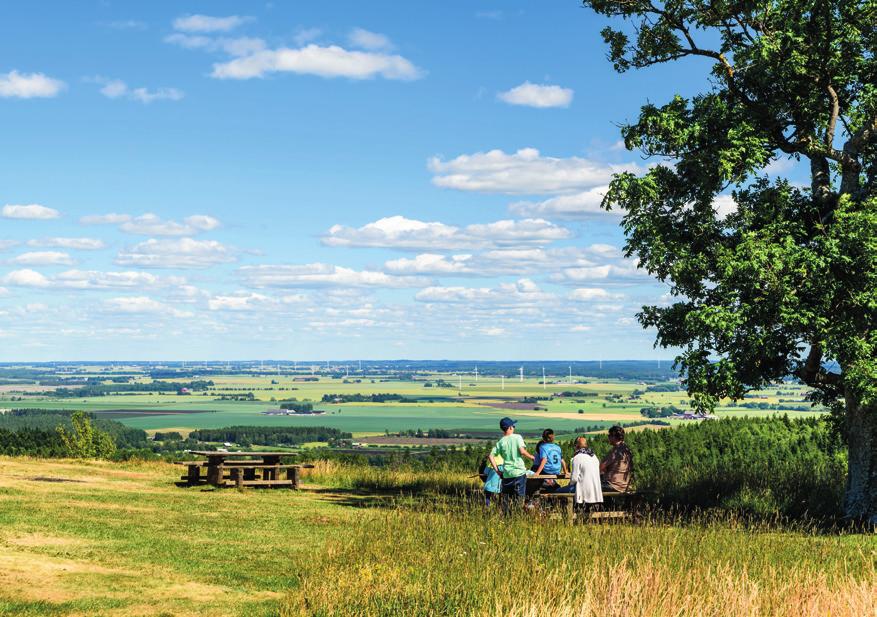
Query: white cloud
point(116, 88)
point(583, 205)
point(590, 294)
point(91, 279)
point(29, 211)
point(112, 218)
point(519, 260)
point(82, 244)
point(402, 233)
point(43, 258)
point(153, 225)
point(242, 302)
point(523, 291)
point(26, 278)
point(524, 172)
point(493, 331)
point(324, 61)
point(180, 253)
point(365, 39)
point(207, 23)
point(236, 46)
point(724, 205)
point(580, 328)
point(535, 95)
point(319, 275)
point(142, 305)
point(29, 85)
point(5, 245)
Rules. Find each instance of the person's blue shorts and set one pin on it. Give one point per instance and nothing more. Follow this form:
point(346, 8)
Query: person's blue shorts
point(515, 486)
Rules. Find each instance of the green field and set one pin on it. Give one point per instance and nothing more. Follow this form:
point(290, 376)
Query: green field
point(466, 409)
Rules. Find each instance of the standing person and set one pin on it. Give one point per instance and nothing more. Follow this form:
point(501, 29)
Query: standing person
point(549, 460)
point(617, 467)
point(514, 472)
point(584, 478)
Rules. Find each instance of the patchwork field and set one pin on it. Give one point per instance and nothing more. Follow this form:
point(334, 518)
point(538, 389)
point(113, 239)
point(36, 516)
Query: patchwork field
point(476, 407)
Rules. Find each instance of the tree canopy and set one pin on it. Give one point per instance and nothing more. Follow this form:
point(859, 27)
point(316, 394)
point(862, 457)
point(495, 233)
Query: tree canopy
point(784, 282)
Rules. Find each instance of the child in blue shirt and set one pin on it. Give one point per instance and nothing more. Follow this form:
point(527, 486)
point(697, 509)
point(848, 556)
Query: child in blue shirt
point(549, 459)
point(492, 480)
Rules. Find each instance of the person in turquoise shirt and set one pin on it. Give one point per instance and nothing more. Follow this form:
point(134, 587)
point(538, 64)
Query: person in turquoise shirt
point(492, 481)
point(514, 473)
point(549, 460)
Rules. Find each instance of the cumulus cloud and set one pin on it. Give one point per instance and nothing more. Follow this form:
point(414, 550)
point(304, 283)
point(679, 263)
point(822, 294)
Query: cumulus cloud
point(26, 278)
point(180, 253)
point(91, 279)
point(207, 23)
point(365, 39)
point(5, 245)
point(82, 244)
point(116, 89)
point(322, 275)
point(497, 262)
point(233, 46)
point(242, 302)
point(43, 258)
point(402, 233)
point(29, 211)
point(112, 218)
point(724, 205)
point(536, 95)
point(582, 205)
point(142, 305)
point(29, 85)
point(590, 294)
point(153, 225)
point(523, 291)
point(323, 61)
point(525, 172)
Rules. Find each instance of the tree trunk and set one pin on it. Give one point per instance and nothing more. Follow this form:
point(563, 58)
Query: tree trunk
point(861, 496)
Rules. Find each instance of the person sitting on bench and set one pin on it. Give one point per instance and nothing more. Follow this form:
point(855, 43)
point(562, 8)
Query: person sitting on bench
point(549, 460)
point(617, 468)
point(584, 479)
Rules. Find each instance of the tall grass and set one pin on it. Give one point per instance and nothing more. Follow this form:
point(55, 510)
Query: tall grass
point(459, 560)
point(390, 480)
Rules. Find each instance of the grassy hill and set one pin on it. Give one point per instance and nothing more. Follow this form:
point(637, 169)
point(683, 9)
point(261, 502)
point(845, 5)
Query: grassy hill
point(99, 538)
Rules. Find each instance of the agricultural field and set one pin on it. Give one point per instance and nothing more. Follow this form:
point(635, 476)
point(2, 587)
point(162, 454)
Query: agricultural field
point(433, 400)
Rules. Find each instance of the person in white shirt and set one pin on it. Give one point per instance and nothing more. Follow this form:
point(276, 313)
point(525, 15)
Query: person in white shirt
point(584, 477)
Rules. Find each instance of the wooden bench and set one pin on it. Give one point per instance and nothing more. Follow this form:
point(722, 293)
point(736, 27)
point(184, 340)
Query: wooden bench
point(595, 515)
point(240, 473)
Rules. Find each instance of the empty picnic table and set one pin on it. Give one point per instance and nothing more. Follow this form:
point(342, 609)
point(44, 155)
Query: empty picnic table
point(240, 469)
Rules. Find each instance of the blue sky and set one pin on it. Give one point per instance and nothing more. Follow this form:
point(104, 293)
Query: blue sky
point(229, 180)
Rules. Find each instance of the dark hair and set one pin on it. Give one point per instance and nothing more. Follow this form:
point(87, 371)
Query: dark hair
point(617, 432)
point(545, 435)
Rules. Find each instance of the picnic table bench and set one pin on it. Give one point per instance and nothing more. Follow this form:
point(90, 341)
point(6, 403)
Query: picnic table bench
point(240, 469)
point(629, 498)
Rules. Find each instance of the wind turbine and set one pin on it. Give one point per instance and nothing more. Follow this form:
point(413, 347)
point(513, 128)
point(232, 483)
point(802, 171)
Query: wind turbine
point(522, 375)
point(503, 382)
point(570, 375)
point(476, 373)
point(543, 377)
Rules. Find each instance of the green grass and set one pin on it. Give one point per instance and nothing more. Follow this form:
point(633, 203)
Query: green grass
point(121, 540)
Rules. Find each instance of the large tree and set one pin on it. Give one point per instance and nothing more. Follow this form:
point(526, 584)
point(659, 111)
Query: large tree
point(786, 283)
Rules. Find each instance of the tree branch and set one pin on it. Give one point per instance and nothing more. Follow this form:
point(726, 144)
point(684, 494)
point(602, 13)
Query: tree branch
point(812, 373)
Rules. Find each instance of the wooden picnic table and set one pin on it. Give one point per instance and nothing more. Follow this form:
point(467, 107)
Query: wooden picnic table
point(242, 470)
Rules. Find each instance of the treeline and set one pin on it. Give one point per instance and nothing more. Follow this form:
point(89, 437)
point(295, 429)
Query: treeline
point(756, 466)
point(48, 420)
point(299, 406)
point(269, 435)
point(659, 412)
point(101, 389)
point(362, 398)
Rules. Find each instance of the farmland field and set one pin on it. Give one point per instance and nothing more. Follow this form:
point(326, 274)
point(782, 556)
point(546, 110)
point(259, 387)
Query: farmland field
point(477, 406)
